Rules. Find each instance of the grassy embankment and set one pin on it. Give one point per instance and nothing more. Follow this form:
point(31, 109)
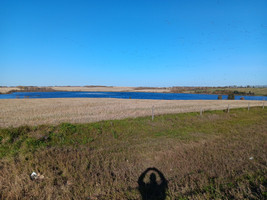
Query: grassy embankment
point(215, 156)
point(250, 91)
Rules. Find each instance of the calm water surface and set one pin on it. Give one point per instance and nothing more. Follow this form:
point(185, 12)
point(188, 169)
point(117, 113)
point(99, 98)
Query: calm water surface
point(121, 95)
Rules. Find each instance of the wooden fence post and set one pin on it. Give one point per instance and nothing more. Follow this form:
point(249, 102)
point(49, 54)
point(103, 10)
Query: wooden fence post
point(152, 113)
point(248, 106)
point(228, 109)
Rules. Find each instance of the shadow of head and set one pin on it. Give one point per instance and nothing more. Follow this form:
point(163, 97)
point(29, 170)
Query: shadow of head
point(153, 178)
point(153, 189)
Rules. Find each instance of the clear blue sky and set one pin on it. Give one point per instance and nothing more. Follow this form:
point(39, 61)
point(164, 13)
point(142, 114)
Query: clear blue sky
point(133, 42)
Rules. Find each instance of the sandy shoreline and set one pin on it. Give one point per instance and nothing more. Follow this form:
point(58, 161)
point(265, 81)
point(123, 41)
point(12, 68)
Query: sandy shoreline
point(17, 112)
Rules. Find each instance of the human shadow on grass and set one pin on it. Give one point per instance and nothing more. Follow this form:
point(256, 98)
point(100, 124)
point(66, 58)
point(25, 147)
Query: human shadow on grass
point(152, 190)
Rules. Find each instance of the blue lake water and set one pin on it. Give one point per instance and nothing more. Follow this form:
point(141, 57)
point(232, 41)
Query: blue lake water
point(121, 95)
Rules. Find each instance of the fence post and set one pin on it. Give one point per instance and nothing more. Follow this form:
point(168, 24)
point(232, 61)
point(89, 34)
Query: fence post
point(248, 106)
point(152, 113)
point(263, 105)
point(228, 109)
point(201, 110)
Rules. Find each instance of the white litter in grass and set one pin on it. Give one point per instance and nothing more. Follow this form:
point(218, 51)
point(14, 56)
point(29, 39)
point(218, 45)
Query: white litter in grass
point(251, 158)
point(35, 176)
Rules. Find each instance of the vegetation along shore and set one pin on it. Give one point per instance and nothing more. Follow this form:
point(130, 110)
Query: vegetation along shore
point(248, 90)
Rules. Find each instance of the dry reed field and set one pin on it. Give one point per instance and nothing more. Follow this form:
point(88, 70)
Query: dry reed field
point(5, 90)
point(17, 112)
point(111, 89)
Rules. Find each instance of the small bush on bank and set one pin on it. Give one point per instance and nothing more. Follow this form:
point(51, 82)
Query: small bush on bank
point(231, 97)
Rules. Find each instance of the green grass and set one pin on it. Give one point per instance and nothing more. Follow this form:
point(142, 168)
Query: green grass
point(203, 157)
point(183, 126)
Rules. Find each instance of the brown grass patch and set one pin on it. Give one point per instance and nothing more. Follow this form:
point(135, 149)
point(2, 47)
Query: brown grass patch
point(214, 164)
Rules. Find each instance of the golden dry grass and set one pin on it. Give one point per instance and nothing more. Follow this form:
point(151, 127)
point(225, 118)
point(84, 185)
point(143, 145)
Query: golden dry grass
point(17, 112)
point(111, 89)
point(256, 91)
point(4, 90)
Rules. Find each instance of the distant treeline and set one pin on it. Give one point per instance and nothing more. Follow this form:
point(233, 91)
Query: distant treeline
point(148, 88)
point(209, 90)
point(224, 92)
point(227, 92)
point(97, 86)
point(32, 89)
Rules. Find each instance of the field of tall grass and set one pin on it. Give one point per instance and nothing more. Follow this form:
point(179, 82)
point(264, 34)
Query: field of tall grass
point(18, 112)
point(218, 155)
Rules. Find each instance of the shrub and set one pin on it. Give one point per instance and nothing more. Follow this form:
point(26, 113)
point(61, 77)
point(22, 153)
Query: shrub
point(231, 97)
point(220, 97)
